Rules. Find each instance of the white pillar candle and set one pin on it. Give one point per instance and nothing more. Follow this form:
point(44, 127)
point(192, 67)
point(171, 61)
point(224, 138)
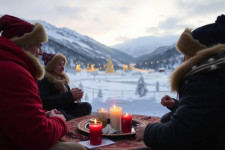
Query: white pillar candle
point(115, 117)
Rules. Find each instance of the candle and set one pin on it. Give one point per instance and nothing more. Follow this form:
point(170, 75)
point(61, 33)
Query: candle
point(115, 117)
point(126, 120)
point(95, 132)
point(102, 116)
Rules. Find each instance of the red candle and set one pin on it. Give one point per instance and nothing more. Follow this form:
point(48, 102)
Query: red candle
point(126, 123)
point(95, 132)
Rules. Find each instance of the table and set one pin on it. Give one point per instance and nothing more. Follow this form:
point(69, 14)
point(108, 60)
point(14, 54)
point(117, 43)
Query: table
point(121, 143)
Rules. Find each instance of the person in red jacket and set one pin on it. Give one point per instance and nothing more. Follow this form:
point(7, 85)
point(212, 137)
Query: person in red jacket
point(24, 123)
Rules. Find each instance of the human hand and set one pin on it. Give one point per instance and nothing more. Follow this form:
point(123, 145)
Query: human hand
point(167, 101)
point(140, 130)
point(56, 113)
point(47, 113)
point(77, 93)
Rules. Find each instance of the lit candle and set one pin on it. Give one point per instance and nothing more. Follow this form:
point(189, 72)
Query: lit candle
point(115, 117)
point(102, 116)
point(95, 132)
point(126, 120)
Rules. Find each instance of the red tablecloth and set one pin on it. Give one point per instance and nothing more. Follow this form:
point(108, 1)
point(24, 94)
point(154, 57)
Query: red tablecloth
point(122, 143)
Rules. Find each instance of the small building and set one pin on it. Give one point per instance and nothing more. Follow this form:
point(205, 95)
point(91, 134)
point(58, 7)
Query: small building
point(161, 70)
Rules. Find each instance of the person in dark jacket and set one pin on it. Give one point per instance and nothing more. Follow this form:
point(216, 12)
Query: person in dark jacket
point(55, 91)
point(198, 121)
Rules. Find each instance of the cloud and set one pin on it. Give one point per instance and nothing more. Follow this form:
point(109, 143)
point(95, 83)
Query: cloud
point(152, 30)
point(193, 7)
point(71, 12)
point(123, 9)
point(169, 23)
point(107, 20)
point(122, 38)
point(167, 26)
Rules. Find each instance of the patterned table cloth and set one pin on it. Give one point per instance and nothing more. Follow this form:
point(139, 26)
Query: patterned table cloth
point(121, 143)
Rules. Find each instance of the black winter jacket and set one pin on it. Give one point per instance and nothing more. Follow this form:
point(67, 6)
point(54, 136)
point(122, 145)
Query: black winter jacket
point(198, 123)
point(52, 98)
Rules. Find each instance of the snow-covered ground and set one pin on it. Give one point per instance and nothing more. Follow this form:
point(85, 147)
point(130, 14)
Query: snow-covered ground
point(119, 88)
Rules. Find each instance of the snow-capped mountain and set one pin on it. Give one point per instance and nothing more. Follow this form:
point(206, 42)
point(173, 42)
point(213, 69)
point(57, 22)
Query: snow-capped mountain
point(145, 45)
point(164, 56)
point(85, 50)
point(80, 49)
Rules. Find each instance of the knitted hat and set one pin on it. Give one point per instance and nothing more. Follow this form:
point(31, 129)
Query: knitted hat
point(21, 32)
point(190, 42)
point(50, 60)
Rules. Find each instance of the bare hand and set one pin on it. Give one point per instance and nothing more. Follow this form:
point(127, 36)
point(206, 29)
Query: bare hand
point(47, 113)
point(77, 93)
point(140, 130)
point(55, 113)
point(167, 101)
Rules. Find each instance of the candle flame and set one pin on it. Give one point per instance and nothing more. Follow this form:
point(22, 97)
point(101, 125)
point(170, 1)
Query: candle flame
point(114, 106)
point(126, 114)
point(102, 109)
point(95, 121)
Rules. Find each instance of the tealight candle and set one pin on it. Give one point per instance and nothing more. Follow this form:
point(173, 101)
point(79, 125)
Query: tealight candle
point(95, 132)
point(102, 116)
point(126, 120)
point(115, 117)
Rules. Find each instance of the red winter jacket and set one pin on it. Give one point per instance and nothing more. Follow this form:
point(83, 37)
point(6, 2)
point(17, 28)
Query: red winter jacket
point(23, 123)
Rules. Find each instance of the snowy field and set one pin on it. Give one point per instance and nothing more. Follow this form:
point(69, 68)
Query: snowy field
point(104, 90)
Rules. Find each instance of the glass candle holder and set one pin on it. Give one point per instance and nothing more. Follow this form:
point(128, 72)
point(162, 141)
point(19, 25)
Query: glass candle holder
point(95, 129)
point(102, 115)
point(126, 123)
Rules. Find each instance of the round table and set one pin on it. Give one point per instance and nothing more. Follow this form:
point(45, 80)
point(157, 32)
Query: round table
point(121, 142)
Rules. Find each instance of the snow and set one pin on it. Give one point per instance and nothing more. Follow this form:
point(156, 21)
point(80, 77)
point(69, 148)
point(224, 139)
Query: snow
point(119, 88)
point(145, 45)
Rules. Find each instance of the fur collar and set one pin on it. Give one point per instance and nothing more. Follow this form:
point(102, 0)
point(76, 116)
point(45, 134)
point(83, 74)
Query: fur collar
point(200, 56)
point(39, 69)
point(59, 84)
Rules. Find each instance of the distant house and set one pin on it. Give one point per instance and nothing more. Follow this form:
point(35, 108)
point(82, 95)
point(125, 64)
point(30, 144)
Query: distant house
point(161, 70)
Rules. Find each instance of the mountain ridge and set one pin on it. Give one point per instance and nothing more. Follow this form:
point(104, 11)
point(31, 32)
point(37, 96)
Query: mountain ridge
point(145, 45)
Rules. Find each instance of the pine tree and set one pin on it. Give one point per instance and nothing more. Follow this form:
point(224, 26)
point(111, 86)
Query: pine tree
point(157, 86)
point(81, 86)
point(100, 95)
point(141, 89)
point(86, 96)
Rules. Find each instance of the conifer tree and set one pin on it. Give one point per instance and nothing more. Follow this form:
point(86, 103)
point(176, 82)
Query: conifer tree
point(81, 86)
point(100, 95)
point(86, 97)
point(141, 89)
point(157, 86)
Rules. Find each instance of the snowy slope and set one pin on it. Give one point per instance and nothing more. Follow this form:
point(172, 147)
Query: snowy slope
point(145, 45)
point(79, 48)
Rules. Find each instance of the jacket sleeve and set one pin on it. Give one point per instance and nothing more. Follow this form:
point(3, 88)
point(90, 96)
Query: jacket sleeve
point(175, 105)
point(194, 121)
point(24, 121)
point(52, 100)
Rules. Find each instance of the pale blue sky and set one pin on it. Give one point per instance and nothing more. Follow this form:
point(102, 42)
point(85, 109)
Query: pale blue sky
point(114, 21)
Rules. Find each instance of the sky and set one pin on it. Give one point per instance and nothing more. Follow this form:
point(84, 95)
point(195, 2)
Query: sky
point(112, 22)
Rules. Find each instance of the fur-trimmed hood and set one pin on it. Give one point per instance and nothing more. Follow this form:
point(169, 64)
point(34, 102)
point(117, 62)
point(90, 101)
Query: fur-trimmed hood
point(39, 69)
point(207, 59)
point(187, 45)
point(60, 84)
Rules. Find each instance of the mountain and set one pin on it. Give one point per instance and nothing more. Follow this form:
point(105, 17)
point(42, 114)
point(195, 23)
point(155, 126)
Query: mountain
point(80, 49)
point(145, 45)
point(163, 57)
